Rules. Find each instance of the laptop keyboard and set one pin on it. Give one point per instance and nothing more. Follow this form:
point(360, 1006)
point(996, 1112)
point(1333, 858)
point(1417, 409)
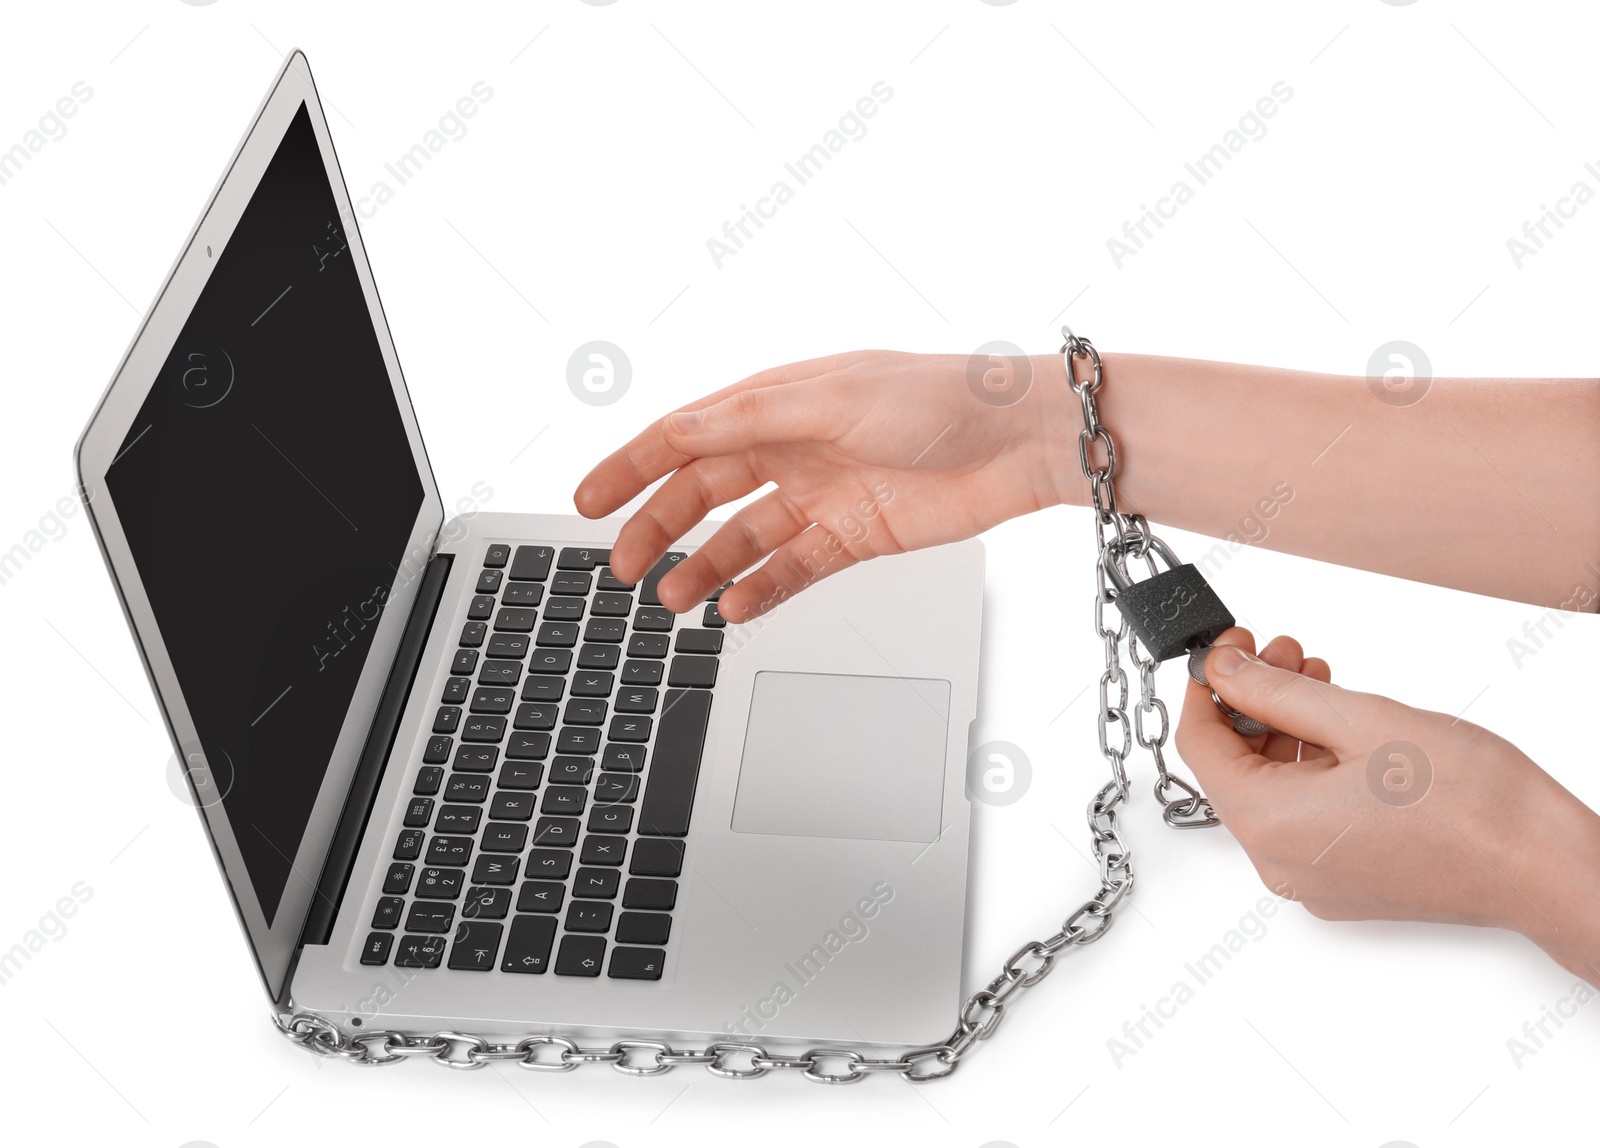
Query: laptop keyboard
point(546, 825)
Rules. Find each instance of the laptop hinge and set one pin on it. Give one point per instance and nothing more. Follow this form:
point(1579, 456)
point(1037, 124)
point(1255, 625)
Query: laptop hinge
point(380, 741)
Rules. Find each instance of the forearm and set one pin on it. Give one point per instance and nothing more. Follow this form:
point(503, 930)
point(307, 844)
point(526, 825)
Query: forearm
point(1486, 485)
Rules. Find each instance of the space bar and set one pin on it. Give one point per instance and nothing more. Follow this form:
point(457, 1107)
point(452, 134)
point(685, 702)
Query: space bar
point(675, 764)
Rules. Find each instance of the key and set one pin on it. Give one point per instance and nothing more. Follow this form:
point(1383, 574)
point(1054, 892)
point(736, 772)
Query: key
point(584, 711)
point(564, 799)
point(657, 857)
point(497, 555)
point(610, 819)
point(447, 719)
point(555, 831)
point(489, 581)
point(675, 763)
point(717, 593)
point(578, 740)
point(551, 661)
point(494, 869)
point(629, 727)
point(441, 884)
point(437, 751)
point(628, 757)
point(543, 688)
point(580, 956)
point(609, 605)
point(419, 812)
point(528, 746)
point(643, 928)
point(449, 850)
point(613, 787)
point(487, 904)
point(540, 897)
point(419, 952)
point(502, 837)
point(506, 646)
point(481, 728)
point(455, 690)
point(599, 883)
point(698, 642)
point(652, 618)
point(464, 662)
point(582, 558)
point(548, 864)
point(536, 715)
point(599, 656)
point(649, 893)
point(528, 945)
point(636, 964)
point(523, 594)
point(429, 778)
point(493, 699)
point(388, 912)
point(605, 630)
point(713, 617)
point(509, 805)
point(515, 619)
point(647, 589)
point(520, 775)
point(430, 917)
point(398, 879)
point(477, 942)
point(481, 608)
point(571, 582)
point(647, 646)
point(591, 684)
point(598, 850)
point(471, 787)
point(456, 819)
point(476, 758)
point(636, 701)
point(588, 917)
point(641, 673)
point(571, 770)
point(563, 610)
point(472, 634)
point(531, 563)
point(693, 670)
point(559, 635)
point(495, 673)
point(376, 949)
point(609, 581)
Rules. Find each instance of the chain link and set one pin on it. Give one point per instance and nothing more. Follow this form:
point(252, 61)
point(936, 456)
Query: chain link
point(1118, 538)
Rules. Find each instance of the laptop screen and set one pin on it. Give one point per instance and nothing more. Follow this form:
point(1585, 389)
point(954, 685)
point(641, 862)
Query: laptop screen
point(268, 490)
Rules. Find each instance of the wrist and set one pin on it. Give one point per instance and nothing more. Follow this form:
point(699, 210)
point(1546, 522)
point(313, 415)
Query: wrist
point(1552, 868)
point(1059, 415)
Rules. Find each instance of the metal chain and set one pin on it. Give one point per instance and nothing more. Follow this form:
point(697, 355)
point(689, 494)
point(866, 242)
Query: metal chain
point(1118, 538)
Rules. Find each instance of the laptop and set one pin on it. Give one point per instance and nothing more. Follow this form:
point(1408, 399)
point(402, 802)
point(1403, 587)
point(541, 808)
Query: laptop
point(455, 773)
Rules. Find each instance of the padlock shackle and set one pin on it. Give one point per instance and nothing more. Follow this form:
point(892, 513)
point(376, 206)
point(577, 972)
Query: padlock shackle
point(1117, 554)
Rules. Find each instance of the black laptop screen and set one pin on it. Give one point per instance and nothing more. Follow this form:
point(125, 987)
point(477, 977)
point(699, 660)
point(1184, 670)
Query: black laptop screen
point(268, 492)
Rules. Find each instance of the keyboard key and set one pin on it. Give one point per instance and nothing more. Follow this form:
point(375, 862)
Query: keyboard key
point(528, 945)
point(479, 727)
point(628, 757)
point(536, 715)
point(477, 942)
point(647, 589)
point(648, 646)
point(473, 633)
point(609, 581)
point(541, 897)
point(497, 555)
point(376, 949)
point(610, 819)
point(571, 770)
point(506, 646)
point(643, 928)
point(611, 605)
point(599, 656)
point(717, 593)
point(605, 630)
point(693, 670)
point(464, 662)
point(612, 787)
point(398, 879)
point(648, 893)
point(510, 805)
point(563, 610)
point(641, 673)
point(652, 618)
point(520, 775)
point(548, 864)
point(580, 956)
point(592, 684)
point(387, 915)
point(636, 964)
point(419, 952)
point(528, 746)
point(713, 617)
point(543, 688)
point(430, 917)
point(523, 594)
point(698, 642)
point(549, 661)
point(561, 635)
point(598, 883)
point(503, 837)
point(582, 558)
point(531, 563)
point(443, 884)
point(408, 847)
point(487, 904)
point(429, 778)
point(472, 787)
point(447, 719)
point(437, 751)
point(640, 700)
point(630, 727)
point(456, 819)
point(588, 917)
point(571, 582)
point(657, 857)
point(449, 850)
point(555, 831)
point(455, 690)
point(585, 711)
point(566, 800)
point(579, 740)
point(481, 608)
point(598, 850)
point(675, 763)
point(419, 812)
point(515, 620)
point(476, 758)
point(489, 581)
point(493, 699)
point(496, 673)
point(495, 869)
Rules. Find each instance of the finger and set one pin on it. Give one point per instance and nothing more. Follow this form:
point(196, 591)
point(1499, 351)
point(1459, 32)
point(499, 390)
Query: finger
point(693, 492)
point(1285, 653)
point(804, 560)
point(621, 475)
point(1309, 709)
point(738, 544)
point(1316, 668)
point(1206, 739)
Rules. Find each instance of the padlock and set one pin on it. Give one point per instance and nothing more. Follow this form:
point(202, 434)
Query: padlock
point(1173, 610)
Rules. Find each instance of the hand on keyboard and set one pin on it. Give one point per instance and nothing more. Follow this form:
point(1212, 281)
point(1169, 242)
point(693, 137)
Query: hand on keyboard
point(872, 452)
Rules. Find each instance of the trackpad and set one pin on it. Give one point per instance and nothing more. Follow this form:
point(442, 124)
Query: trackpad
point(841, 755)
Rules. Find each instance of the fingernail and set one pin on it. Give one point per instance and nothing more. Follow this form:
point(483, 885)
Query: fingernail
point(1229, 660)
point(685, 421)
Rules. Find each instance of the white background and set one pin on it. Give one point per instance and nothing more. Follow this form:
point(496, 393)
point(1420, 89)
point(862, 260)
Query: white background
point(1019, 138)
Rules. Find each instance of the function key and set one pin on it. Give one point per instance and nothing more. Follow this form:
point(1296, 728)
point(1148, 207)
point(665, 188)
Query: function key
point(636, 964)
point(523, 594)
point(438, 749)
point(580, 956)
point(446, 720)
point(609, 581)
point(428, 779)
point(408, 847)
point(419, 812)
point(387, 915)
point(531, 564)
point(481, 607)
point(455, 690)
point(497, 555)
point(643, 928)
point(489, 581)
point(582, 558)
point(465, 662)
point(472, 634)
point(647, 589)
point(398, 879)
point(477, 943)
point(376, 949)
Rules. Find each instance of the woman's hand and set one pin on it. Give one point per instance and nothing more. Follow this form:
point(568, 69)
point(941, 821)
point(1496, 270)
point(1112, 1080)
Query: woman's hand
point(1405, 814)
point(872, 452)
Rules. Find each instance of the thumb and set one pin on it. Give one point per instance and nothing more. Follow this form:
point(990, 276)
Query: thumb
point(1293, 703)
